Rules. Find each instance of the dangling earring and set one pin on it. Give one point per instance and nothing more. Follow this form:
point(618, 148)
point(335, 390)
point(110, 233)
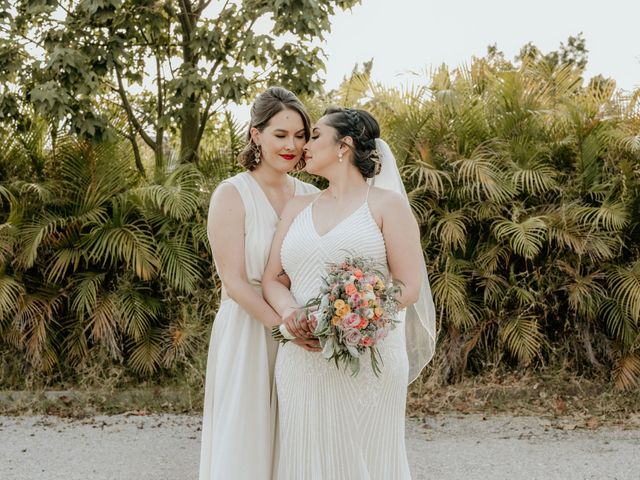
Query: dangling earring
point(340, 156)
point(256, 157)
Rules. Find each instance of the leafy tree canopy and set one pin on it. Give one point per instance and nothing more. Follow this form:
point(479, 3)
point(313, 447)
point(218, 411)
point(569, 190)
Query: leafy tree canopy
point(77, 62)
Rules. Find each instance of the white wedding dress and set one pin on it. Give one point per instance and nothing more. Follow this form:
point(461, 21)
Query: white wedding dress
point(332, 425)
point(238, 427)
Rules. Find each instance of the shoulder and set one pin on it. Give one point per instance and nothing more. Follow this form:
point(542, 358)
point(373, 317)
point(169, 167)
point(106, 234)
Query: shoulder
point(225, 191)
point(227, 199)
point(384, 201)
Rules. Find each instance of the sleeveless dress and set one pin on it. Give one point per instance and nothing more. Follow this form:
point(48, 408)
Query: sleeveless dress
point(239, 418)
point(332, 425)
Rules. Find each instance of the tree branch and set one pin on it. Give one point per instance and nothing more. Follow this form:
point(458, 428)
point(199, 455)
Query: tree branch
point(160, 113)
point(202, 4)
point(132, 118)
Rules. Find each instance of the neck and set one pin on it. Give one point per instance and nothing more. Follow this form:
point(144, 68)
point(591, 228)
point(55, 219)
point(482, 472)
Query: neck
point(346, 184)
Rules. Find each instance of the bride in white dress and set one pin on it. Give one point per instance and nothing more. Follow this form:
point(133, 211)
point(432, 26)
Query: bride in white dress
point(332, 425)
point(238, 424)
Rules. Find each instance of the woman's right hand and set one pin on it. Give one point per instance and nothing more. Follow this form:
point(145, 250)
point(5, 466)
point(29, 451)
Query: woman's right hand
point(297, 323)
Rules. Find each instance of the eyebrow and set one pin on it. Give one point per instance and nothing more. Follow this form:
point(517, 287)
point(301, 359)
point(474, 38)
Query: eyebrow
point(286, 131)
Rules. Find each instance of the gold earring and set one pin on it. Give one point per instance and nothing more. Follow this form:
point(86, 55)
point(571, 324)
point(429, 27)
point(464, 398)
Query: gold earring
point(256, 157)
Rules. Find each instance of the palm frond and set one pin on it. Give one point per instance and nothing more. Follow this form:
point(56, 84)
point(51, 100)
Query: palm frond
point(146, 352)
point(624, 284)
point(103, 322)
point(626, 373)
point(179, 196)
point(11, 293)
point(138, 309)
point(526, 238)
point(180, 264)
point(523, 337)
point(481, 178)
point(610, 216)
point(451, 229)
point(130, 243)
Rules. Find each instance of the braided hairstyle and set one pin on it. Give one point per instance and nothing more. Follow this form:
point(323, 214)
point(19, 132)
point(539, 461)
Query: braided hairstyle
point(363, 129)
point(267, 104)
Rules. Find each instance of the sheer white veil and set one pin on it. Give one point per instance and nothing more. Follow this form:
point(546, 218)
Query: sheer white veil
point(420, 318)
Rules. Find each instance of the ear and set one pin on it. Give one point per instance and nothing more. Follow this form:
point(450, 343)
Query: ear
point(255, 135)
point(346, 143)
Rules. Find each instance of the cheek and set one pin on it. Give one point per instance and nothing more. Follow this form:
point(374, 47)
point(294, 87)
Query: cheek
point(300, 143)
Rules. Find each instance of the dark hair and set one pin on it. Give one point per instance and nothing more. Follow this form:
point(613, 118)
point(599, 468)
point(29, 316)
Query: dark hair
point(363, 129)
point(267, 104)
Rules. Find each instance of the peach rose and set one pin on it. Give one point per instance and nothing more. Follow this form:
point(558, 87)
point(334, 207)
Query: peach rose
point(350, 289)
point(366, 341)
point(363, 323)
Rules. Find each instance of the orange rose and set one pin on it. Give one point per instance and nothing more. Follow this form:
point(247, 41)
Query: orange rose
point(350, 289)
point(342, 308)
point(358, 273)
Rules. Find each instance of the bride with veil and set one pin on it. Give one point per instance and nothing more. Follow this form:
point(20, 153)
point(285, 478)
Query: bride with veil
point(332, 424)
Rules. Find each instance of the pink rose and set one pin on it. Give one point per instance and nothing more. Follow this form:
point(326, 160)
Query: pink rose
point(351, 321)
point(354, 300)
point(352, 337)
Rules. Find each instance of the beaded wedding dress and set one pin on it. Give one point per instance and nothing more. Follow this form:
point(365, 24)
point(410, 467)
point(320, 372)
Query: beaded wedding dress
point(332, 425)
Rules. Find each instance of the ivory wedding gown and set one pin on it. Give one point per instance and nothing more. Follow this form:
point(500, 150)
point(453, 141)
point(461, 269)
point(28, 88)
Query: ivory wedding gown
point(239, 418)
point(334, 426)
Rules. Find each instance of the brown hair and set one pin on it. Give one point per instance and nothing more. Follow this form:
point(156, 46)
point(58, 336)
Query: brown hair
point(267, 104)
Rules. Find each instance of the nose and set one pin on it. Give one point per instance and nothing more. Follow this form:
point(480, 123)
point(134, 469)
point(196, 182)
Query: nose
point(291, 144)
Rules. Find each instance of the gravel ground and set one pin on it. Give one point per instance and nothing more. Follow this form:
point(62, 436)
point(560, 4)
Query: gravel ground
point(448, 447)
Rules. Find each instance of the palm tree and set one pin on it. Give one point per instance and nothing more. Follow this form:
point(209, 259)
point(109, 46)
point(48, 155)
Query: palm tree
point(94, 258)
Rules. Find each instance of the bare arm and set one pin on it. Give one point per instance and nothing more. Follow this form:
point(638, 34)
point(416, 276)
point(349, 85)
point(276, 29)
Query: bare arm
point(277, 294)
point(402, 240)
point(225, 229)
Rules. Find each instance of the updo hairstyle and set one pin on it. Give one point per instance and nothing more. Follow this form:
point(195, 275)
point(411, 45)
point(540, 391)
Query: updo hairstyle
point(363, 129)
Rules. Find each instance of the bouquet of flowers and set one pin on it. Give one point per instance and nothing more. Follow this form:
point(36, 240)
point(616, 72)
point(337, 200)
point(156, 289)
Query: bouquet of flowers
point(355, 310)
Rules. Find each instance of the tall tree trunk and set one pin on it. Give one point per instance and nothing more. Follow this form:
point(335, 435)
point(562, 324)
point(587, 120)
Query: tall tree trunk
point(189, 138)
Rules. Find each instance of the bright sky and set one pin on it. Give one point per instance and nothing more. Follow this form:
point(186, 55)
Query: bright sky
point(403, 35)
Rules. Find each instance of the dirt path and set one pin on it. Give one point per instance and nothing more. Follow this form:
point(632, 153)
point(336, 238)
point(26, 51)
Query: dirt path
point(449, 447)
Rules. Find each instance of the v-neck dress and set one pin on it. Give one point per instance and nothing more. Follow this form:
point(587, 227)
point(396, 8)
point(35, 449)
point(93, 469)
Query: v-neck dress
point(239, 417)
point(332, 425)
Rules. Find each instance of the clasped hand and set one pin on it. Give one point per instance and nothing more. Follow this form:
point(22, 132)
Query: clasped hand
point(301, 326)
